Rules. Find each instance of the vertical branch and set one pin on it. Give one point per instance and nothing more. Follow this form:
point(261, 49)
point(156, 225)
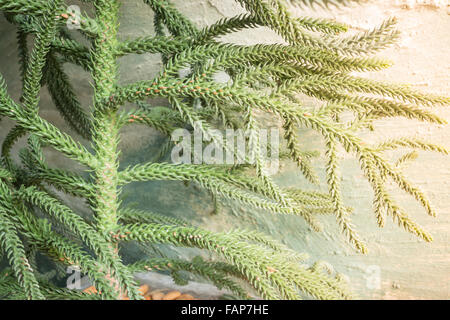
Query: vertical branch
point(335, 192)
point(105, 130)
point(23, 53)
point(105, 136)
point(32, 70)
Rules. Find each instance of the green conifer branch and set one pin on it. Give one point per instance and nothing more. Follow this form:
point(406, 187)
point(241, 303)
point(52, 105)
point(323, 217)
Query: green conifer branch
point(105, 135)
point(176, 22)
point(317, 61)
point(257, 269)
point(24, 6)
point(64, 99)
point(13, 247)
point(208, 270)
point(322, 3)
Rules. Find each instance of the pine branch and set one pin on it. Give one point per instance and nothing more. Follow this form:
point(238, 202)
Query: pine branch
point(105, 135)
point(73, 52)
point(209, 270)
point(64, 98)
point(175, 22)
point(261, 272)
point(14, 249)
point(317, 60)
point(204, 175)
point(42, 129)
point(323, 3)
point(34, 7)
point(335, 192)
point(129, 215)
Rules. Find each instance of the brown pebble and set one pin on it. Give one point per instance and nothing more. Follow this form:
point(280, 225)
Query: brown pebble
point(157, 296)
point(144, 289)
point(172, 295)
point(185, 297)
point(90, 290)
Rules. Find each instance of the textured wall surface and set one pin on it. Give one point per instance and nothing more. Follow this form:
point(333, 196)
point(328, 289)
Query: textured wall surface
point(408, 268)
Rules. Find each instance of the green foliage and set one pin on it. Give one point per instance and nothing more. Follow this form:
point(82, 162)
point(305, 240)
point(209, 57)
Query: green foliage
point(318, 61)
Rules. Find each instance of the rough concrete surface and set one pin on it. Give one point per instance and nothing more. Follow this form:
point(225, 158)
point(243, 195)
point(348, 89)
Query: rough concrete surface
point(408, 268)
